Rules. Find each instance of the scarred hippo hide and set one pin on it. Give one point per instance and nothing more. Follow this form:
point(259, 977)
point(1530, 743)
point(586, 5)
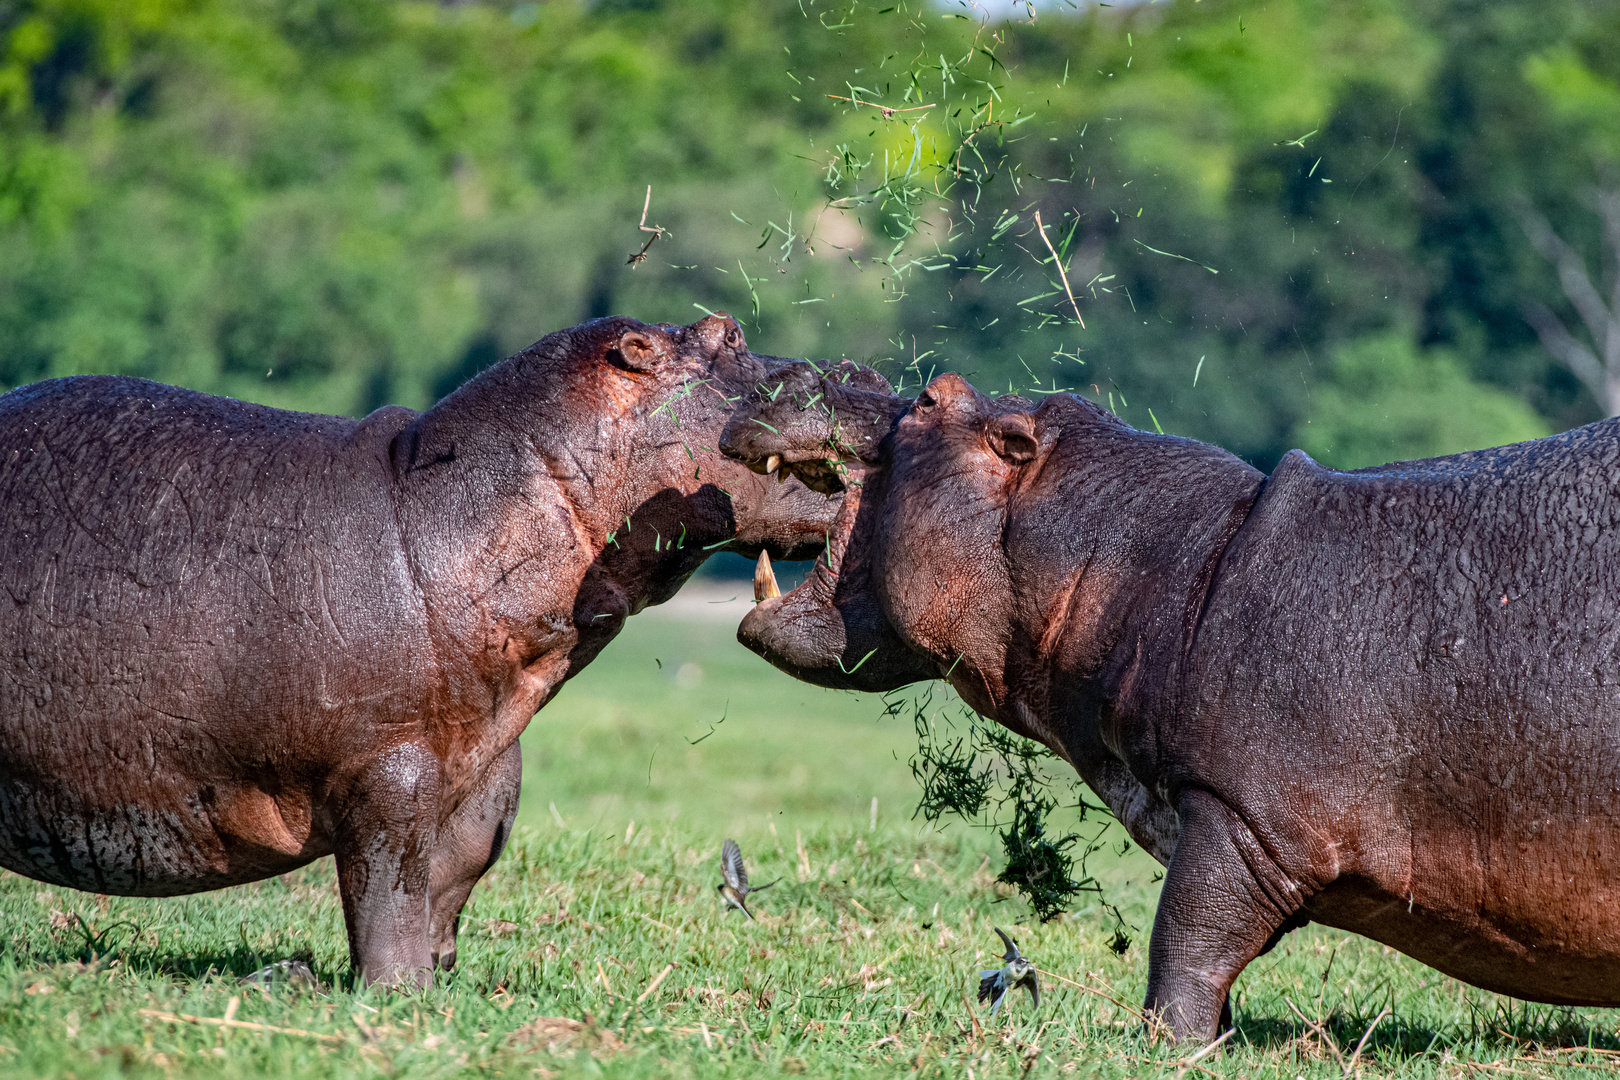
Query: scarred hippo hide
point(235, 639)
point(1385, 700)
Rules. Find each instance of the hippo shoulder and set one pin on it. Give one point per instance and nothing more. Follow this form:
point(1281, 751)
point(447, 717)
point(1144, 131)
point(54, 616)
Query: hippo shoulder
point(1501, 546)
point(1493, 489)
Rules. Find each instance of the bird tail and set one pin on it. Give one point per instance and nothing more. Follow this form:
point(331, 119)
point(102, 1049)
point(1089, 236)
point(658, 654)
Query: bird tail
point(987, 986)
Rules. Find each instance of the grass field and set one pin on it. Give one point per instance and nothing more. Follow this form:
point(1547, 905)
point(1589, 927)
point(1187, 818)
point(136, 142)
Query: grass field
point(596, 946)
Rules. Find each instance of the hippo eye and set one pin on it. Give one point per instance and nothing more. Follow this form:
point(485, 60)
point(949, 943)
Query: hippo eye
point(925, 400)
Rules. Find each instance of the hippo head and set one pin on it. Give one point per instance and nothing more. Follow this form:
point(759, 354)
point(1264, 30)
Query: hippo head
point(913, 578)
point(717, 370)
point(981, 540)
point(820, 419)
point(622, 420)
point(828, 427)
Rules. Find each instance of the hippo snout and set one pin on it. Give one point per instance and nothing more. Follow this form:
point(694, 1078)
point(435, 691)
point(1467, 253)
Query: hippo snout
point(842, 646)
point(800, 643)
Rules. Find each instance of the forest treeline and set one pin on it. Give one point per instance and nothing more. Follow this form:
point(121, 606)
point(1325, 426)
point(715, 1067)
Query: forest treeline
point(1357, 227)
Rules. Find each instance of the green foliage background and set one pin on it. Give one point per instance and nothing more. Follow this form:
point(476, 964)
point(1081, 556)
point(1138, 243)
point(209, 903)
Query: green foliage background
point(334, 204)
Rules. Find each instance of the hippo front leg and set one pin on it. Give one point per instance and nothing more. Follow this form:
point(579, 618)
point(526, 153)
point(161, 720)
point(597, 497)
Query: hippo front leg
point(1224, 897)
point(384, 843)
point(468, 845)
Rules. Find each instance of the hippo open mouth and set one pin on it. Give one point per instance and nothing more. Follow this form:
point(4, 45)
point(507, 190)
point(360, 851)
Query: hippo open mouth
point(805, 631)
point(825, 475)
point(814, 423)
point(826, 426)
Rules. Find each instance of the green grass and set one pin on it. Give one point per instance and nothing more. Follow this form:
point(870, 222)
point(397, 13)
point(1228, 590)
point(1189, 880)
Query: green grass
point(862, 960)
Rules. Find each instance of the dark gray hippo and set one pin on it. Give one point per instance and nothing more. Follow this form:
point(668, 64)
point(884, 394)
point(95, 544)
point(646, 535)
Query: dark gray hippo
point(235, 639)
point(1385, 700)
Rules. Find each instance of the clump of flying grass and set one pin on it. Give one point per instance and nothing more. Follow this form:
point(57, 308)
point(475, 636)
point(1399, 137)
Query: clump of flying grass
point(986, 775)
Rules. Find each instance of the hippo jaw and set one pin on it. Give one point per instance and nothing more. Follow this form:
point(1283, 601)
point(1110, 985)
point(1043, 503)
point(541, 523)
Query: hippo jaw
point(831, 631)
point(841, 647)
point(765, 515)
point(812, 423)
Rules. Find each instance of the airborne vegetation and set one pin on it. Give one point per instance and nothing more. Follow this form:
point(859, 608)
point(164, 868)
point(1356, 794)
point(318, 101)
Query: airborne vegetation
point(333, 204)
point(1298, 223)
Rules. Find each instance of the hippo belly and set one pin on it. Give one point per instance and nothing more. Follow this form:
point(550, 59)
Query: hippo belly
point(1481, 955)
point(165, 837)
point(1539, 923)
point(159, 771)
point(1504, 868)
point(1471, 824)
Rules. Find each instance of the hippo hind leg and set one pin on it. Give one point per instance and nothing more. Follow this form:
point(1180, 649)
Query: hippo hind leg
point(468, 845)
point(1224, 901)
point(384, 845)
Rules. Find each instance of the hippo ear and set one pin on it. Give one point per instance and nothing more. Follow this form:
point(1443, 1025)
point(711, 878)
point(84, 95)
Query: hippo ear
point(1012, 437)
point(635, 350)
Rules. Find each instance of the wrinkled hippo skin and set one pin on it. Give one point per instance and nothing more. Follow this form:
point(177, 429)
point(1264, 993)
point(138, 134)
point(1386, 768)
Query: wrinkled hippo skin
point(1385, 700)
point(235, 639)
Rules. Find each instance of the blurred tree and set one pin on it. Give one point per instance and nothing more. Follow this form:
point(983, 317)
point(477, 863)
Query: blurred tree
point(1578, 80)
point(1597, 365)
point(1386, 401)
point(329, 205)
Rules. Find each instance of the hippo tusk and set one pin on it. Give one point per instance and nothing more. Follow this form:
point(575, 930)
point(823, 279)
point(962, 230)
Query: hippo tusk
point(765, 585)
point(773, 463)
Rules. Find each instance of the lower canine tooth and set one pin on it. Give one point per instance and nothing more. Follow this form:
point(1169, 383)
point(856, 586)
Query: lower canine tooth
point(765, 585)
point(773, 463)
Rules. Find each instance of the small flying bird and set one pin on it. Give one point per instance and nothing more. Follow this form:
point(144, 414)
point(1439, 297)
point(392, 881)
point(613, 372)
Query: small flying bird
point(995, 983)
point(735, 889)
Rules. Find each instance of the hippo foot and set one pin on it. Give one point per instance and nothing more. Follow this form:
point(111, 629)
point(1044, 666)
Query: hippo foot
point(383, 849)
point(467, 846)
point(1218, 911)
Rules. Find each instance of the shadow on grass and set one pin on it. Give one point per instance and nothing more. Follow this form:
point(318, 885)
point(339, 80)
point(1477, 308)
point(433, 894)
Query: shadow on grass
point(227, 964)
point(1511, 1027)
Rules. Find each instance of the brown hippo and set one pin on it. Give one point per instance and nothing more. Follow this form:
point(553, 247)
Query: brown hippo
point(1385, 700)
point(235, 639)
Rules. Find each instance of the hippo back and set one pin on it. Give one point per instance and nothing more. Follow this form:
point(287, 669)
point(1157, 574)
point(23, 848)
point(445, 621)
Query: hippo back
point(194, 586)
point(1481, 573)
point(1408, 679)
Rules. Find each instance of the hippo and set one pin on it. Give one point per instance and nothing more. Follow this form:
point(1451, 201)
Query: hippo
point(236, 639)
point(1386, 700)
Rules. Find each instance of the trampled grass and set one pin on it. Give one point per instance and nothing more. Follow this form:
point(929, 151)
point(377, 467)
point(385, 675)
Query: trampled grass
point(596, 945)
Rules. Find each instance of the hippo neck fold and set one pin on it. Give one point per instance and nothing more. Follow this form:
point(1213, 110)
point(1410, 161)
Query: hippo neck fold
point(564, 492)
point(525, 422)
point(508, 492)
point(1119, 540)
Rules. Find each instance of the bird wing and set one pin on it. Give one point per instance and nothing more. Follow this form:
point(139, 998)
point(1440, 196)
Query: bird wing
point(762, 888)
point(1034, 989)
point(1012, 946)
point(1001, 995)
point(731, 867)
